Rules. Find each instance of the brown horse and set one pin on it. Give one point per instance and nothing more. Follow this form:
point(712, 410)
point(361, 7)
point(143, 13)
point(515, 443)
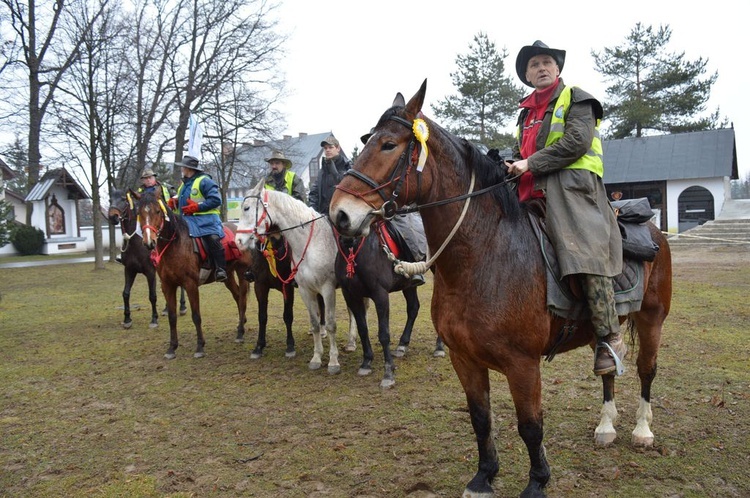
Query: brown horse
point(135, 257)
point(178, 265)
point(483, 244)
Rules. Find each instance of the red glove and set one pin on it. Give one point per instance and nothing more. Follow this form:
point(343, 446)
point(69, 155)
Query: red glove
point(190, 208)
point(172, 203)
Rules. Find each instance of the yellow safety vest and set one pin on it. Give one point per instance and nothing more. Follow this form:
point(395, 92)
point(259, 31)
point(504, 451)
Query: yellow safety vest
point(593, 160)
point(197, 195)
point(288, 182)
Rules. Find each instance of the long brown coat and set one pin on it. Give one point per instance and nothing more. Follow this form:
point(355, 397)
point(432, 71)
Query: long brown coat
point(580, 221)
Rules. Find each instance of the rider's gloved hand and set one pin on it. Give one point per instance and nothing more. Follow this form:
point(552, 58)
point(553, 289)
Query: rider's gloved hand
point(191, 207)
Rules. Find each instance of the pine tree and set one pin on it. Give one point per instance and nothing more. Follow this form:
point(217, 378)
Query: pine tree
point(486, 98)
point(653, 90)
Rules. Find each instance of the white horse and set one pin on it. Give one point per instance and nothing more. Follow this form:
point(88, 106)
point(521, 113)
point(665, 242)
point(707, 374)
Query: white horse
point(313, 249)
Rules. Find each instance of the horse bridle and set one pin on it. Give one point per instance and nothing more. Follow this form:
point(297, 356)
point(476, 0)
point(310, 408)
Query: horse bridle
point(408, 158)
point(406, 161)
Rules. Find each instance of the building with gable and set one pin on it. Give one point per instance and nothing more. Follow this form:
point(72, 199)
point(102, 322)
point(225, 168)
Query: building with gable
point(55, 211)
point(303, 150)
point(685, 176)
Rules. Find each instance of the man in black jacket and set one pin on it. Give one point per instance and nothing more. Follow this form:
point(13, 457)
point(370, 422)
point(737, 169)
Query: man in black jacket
point(331, 172)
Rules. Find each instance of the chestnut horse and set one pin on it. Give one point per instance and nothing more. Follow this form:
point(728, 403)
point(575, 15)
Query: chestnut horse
point(483, 243)
point(178, 265)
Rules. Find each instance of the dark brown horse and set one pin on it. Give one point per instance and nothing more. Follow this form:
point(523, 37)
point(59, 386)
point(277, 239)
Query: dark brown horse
point(179, 265)
point(484, 246)
point(364, 271)
point(135, 257)
point(278, 255)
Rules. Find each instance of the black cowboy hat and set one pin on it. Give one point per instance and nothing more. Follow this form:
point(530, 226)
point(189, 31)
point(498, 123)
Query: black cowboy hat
point(537, 48)
point(189, 162)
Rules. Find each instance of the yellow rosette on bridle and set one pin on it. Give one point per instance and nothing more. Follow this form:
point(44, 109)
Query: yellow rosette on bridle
point(422, 133)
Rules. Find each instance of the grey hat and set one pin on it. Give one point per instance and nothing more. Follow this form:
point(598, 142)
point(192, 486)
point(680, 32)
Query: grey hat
point(148, 172)
point(330, 140)
point(537, 48)
point(189, 162)
point(277, 155)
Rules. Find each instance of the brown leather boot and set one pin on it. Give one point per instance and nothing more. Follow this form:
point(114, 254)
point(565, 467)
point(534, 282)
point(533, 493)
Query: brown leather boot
point(604, 361)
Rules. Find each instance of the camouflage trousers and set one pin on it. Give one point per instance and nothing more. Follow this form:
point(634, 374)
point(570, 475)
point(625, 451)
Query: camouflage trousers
point(600, 296)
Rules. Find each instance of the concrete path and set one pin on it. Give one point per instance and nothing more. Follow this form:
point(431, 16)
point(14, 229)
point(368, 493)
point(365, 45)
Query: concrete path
point(47, 262)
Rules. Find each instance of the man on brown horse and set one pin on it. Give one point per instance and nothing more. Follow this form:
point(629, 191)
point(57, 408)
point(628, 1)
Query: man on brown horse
point(199, 200)
point(559, 156)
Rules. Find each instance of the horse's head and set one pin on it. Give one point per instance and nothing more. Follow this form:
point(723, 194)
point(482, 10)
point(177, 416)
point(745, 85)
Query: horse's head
point(254, 219)
point(387, 173)
point(152, 214)
point(119, 208)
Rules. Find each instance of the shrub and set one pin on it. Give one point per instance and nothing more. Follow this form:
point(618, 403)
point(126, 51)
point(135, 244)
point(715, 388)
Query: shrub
point(28, 240)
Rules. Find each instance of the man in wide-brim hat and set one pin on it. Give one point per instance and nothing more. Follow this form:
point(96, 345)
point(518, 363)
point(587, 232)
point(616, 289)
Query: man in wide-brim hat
point(282, 178)
point(559, 157)
point(199, 201)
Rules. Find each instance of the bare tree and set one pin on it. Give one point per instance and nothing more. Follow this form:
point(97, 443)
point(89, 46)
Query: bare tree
point(80, 107)
point(224, 70)
point(45, 61)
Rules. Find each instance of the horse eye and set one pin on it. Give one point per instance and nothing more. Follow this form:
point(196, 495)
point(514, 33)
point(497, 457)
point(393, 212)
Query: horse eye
point(388, 146)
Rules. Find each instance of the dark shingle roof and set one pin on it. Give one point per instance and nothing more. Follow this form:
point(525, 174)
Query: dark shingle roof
point(700, 154)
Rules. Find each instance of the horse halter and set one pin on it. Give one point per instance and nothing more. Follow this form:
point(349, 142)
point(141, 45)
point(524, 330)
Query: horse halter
point(264, 219)
point(406, 160)
point(153, 228)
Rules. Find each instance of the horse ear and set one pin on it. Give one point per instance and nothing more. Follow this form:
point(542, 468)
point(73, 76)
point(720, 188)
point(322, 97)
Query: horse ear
point(398, 101)
point(257, 188)
point(414, 106)
point(134, 194)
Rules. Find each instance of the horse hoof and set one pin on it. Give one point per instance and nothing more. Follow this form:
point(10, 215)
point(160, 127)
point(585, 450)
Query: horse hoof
point(323, 334)
point(256, 356)
point(439, 353)
point(314, 365)
point(164, 312)
point(387, 383)
point(170, 356)
point(127, 325)
point(350, 347)
point(400, 351)
point(239, 340)
point(363, 372)
point(604, 438)
point(153, 325)
point(183, 311)
point(334, 369)
point(199, 354)
point(290, 354)
point(645, 441)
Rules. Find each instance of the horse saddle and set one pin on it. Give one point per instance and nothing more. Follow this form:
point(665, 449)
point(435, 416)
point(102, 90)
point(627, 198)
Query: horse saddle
point(231, 251)
point(565, 296)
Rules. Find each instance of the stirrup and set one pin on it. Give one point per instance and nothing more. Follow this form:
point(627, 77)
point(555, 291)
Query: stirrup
point(619, 367)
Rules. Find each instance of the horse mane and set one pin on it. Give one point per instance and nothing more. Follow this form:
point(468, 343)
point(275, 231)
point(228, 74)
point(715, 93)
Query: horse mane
point(487, 171)
point(176, 223)
point(294, 207)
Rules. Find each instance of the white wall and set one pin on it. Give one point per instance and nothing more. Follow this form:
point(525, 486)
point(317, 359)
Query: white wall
point(719, 188)
point(86, 232)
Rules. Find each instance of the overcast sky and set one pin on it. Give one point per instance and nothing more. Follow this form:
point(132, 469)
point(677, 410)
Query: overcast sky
point(346, 59)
